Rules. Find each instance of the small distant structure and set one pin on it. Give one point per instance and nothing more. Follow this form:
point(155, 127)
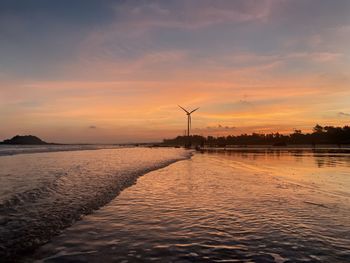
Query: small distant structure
point(189, 123)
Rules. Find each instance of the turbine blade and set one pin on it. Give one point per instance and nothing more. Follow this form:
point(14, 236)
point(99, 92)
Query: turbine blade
point(184, 109)
point(194, 110)
point(190, 122)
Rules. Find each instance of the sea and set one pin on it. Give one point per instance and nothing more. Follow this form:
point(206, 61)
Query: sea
point(139, 204)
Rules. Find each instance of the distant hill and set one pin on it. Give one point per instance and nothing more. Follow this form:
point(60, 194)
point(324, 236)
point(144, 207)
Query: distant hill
point(24, 140)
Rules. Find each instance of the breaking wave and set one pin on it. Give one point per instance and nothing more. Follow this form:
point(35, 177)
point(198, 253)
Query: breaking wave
point(46, 192)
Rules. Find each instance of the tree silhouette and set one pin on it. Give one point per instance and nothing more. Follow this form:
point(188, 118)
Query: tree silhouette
point(320, 135)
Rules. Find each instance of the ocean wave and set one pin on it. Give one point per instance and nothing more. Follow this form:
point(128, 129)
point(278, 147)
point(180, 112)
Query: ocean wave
point(73, 184)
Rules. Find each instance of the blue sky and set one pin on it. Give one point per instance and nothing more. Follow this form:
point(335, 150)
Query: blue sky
point(123, 66)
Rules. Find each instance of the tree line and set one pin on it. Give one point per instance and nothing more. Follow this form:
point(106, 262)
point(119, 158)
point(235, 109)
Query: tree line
point(319, 135)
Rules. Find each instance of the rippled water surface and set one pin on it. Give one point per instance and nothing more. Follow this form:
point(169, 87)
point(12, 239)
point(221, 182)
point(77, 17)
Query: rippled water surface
point(42, 193)
point(221, 207)
point(21, 149)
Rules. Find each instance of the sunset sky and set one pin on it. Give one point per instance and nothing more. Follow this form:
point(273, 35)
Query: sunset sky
point(114, 71)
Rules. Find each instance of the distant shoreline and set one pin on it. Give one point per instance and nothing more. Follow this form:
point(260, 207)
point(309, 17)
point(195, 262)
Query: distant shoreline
point(292, 146)
point(266, 148)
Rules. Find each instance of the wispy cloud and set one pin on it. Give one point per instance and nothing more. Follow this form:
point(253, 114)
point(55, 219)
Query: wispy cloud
point(344, 114)
point(124, 66)
point(192, 14)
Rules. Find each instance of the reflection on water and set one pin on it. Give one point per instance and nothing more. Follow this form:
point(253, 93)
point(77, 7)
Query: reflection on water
point(43, 193)
point(329, 170)
point(22, 149)
point(222, 207)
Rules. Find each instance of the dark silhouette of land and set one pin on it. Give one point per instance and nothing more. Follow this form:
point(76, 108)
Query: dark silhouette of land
point(24, 140)
point(320, 135)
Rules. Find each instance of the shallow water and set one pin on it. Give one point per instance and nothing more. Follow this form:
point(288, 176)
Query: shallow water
point(221, 207)
point(6, 149)
point(43, 193)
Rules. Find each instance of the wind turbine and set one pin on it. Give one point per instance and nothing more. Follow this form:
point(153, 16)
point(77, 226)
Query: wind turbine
point(188, 113)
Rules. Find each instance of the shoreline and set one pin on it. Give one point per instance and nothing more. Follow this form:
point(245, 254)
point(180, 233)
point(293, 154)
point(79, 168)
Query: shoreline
point(320, 149)
point(172, 214)
point(37, 229)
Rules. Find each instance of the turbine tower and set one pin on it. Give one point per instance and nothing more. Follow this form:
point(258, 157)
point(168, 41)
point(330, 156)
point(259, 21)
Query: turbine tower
point(188, 113)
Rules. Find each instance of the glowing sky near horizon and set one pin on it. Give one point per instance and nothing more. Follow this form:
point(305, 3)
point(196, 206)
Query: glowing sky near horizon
point(114, 71)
